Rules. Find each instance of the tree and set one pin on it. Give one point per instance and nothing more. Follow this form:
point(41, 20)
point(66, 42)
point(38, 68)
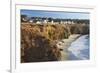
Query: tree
point(24, 18)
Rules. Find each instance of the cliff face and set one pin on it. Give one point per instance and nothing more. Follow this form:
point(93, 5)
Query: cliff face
point(38, 42)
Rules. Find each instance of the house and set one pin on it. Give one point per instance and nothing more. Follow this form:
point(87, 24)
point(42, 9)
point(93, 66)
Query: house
point(52, 22)
point(63, 22)
point(38, 22)
point(45, 21)
point(31, 20)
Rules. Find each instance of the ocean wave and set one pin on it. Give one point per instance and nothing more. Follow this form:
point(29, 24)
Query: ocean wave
point(79, 49)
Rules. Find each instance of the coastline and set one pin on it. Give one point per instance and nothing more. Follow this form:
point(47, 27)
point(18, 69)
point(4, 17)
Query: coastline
point(66, 44)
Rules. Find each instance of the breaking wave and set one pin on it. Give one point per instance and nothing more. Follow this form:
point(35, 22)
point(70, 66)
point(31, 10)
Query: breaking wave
point(79, 49)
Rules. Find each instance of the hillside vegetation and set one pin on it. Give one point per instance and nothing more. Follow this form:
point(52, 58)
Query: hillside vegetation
point(38, 42)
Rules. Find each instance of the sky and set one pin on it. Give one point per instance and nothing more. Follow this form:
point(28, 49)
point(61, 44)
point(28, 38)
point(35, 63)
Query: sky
point(53, 14)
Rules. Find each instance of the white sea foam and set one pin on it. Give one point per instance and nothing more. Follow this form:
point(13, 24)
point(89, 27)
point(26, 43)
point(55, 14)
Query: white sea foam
point(79, 49)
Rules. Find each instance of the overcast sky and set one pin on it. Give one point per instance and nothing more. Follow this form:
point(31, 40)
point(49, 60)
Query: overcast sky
point(64, 15)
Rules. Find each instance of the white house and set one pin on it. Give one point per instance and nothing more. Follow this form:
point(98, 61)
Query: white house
point(38, 22)
point(52, 22)
point(45, 21)
point(31, 21)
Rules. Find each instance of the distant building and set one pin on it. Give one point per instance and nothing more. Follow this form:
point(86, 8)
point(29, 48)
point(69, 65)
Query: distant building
point(31, 20)
point(52, 22)
point(45, 20)
point(38, 22)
